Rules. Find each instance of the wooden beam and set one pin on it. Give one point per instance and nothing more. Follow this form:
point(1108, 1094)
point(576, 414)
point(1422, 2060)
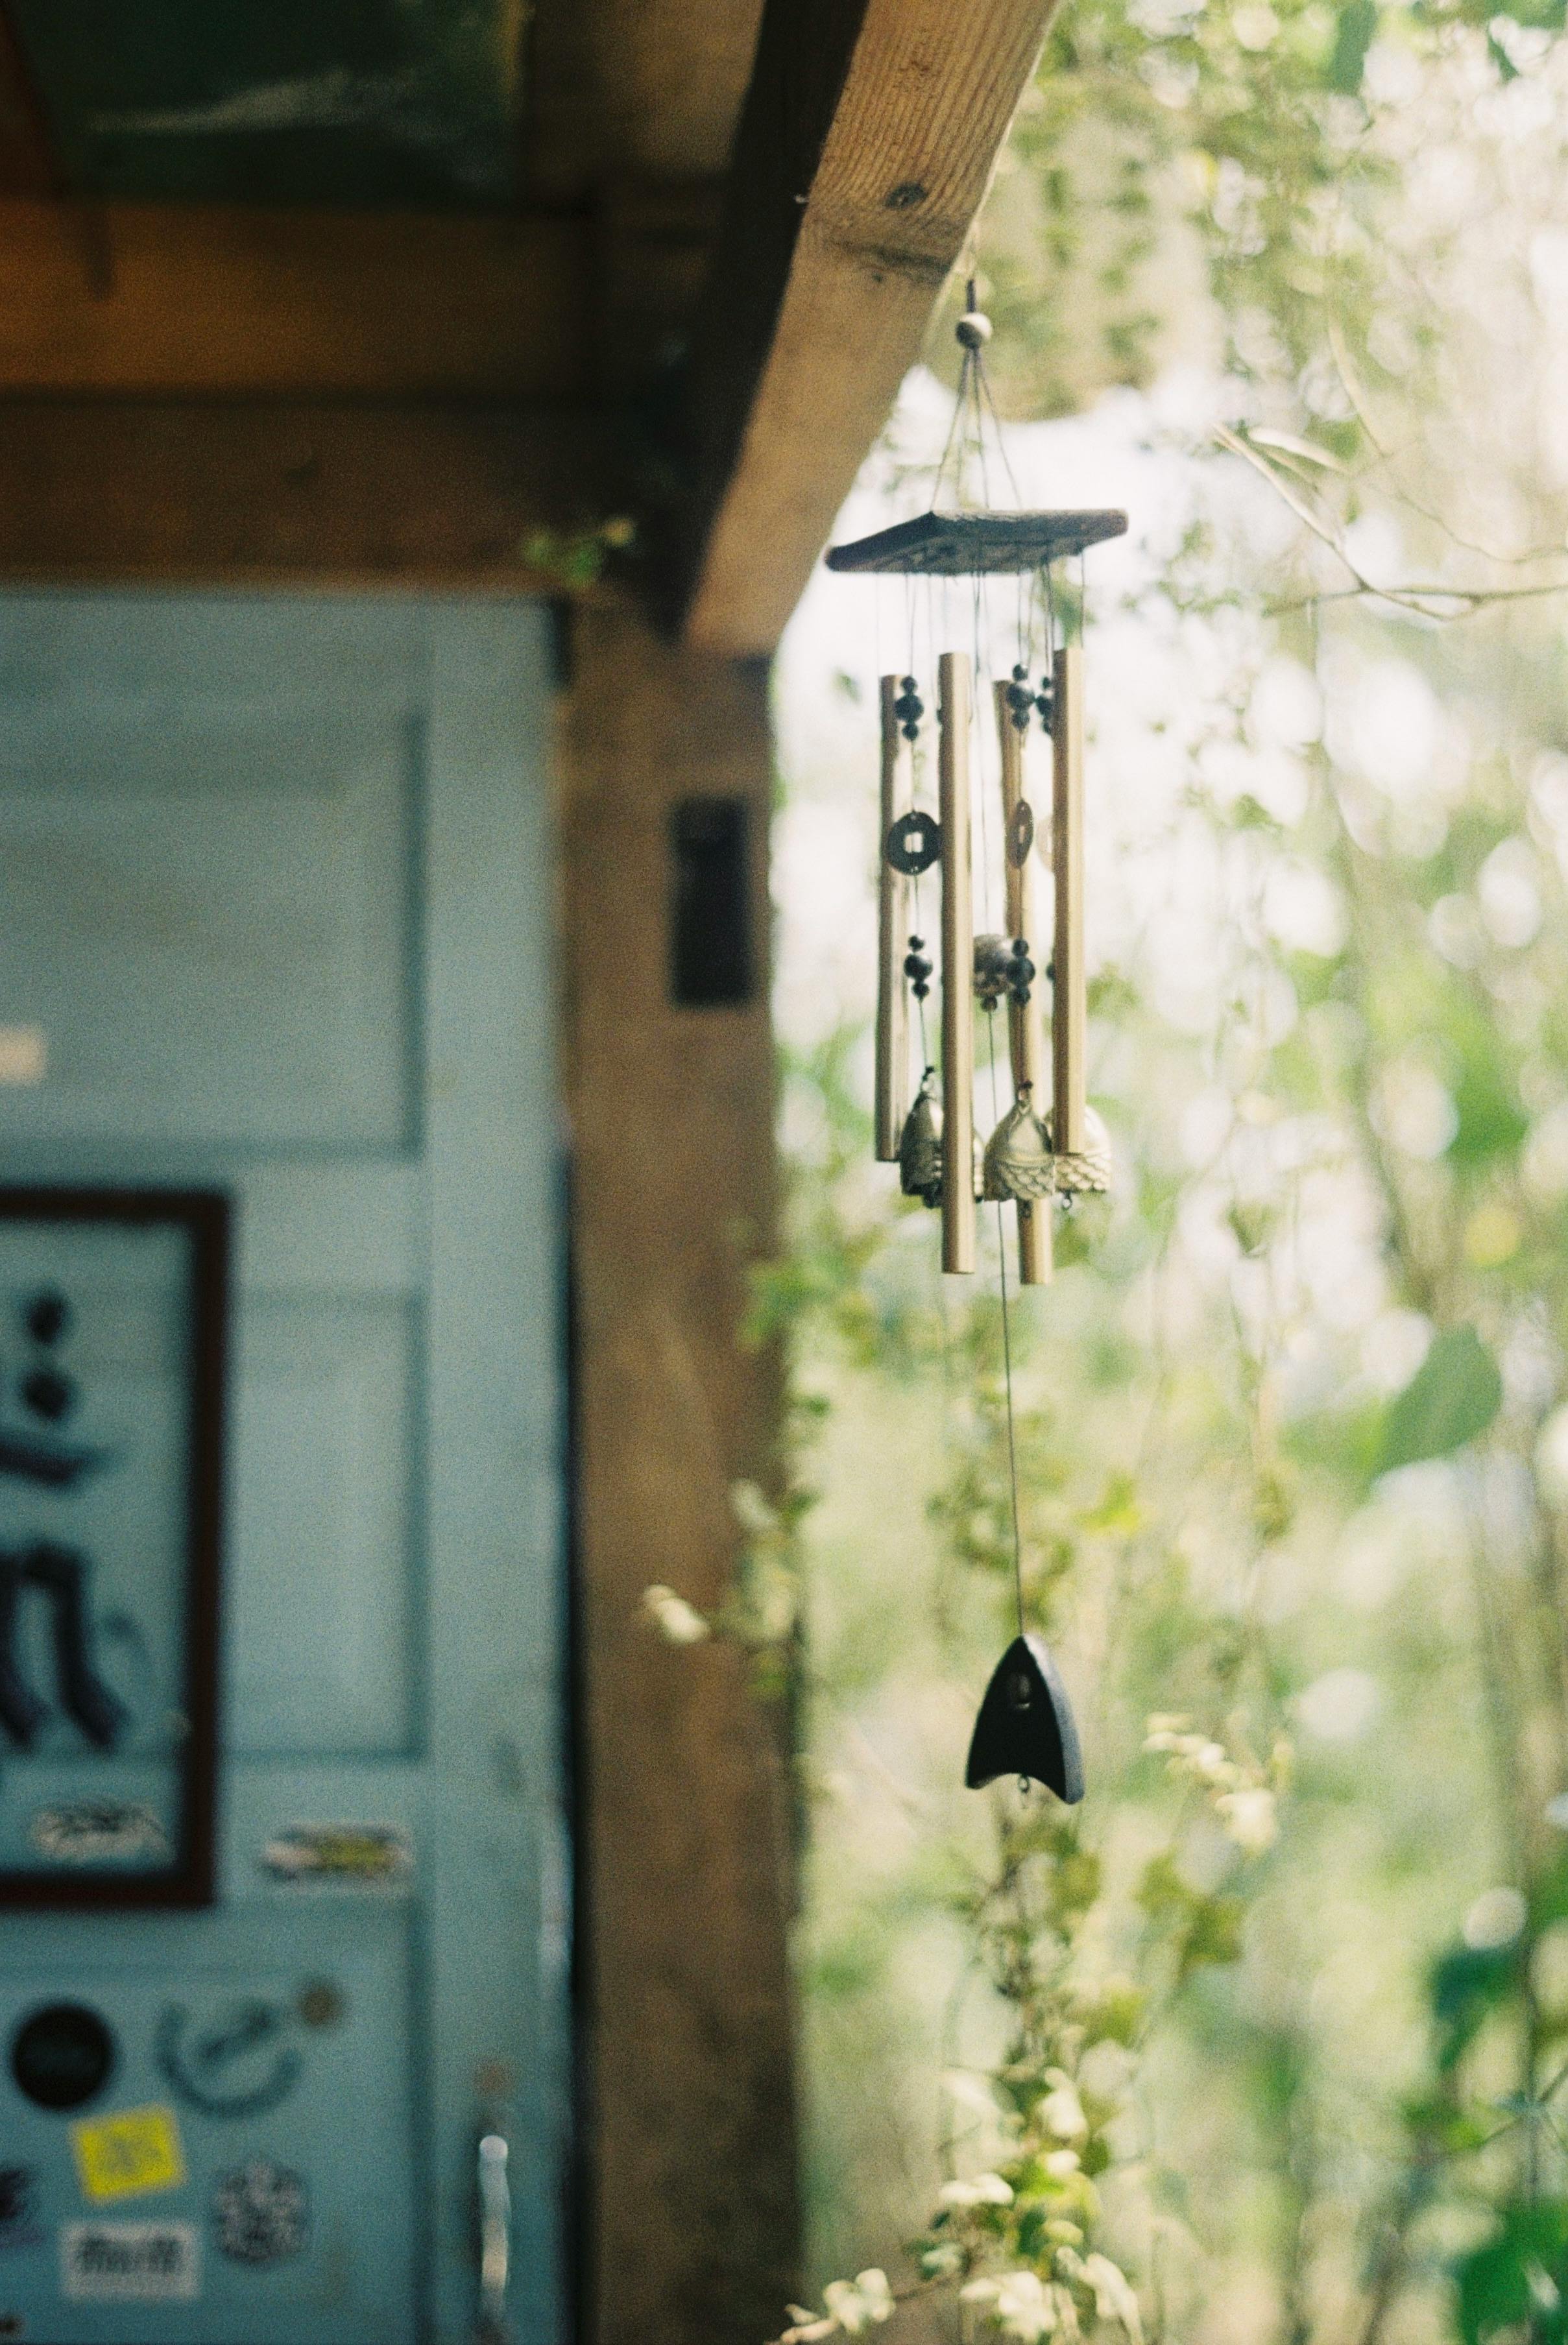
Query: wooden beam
point(103, 492)
point(234, 301)
point(684, 1858)
point(27, 162)
point(866, 145)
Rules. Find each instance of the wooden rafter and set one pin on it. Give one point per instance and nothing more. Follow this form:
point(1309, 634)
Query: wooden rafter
point(866, 144)
point(28, 165)
point(213, 300)
point(304, 494)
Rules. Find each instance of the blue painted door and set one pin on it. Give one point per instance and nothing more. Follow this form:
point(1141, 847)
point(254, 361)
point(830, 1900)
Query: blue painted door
point(275, 884)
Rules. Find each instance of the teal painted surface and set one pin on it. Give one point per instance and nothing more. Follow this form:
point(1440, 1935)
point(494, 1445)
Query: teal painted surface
point(302, 101)
point(275, 887)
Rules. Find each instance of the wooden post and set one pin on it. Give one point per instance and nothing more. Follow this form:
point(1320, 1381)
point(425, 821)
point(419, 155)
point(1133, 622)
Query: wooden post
point(957, 969)
point(690, 2218)
point(1025, 1031)
point(893, 922)
point(1069, 1005)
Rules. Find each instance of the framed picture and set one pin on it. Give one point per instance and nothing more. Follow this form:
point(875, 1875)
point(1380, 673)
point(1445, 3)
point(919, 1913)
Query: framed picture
point(113, 1307)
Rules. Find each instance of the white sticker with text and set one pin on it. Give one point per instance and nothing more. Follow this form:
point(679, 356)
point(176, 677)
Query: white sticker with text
point(130, 2263)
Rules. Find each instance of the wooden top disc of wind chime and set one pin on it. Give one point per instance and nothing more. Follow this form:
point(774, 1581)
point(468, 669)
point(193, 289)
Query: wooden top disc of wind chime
point(975, 545)
point(1050, 1146)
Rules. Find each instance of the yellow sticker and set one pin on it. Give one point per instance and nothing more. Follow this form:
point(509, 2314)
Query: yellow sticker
point(120, 2157)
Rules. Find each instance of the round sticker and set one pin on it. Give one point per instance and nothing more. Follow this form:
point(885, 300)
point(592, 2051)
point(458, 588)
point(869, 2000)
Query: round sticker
point(260, 2213)
point(62, 2055)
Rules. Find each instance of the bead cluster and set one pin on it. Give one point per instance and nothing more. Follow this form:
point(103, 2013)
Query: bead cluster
point(1019, 971)
point(917, 968)
point(909, 708)
point(1023, 699)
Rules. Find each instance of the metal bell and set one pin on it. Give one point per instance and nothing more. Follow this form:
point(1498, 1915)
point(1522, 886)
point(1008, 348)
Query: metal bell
point(1025, 1726)
point(919, 1148)
point(1087, 1173)
point(1018, 1159)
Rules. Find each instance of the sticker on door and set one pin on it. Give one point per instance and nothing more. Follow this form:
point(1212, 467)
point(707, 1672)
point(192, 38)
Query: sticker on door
point(130, 2263)
point(128, 2154)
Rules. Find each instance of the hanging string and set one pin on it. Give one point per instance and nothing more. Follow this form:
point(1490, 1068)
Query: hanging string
point(1007, 1370)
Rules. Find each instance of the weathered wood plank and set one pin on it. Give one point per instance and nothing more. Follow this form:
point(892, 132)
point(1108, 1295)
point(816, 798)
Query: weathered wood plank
point(826, 271)
point(99, 491)
point(28, 165)
point(231, 300)
point(685, 1830)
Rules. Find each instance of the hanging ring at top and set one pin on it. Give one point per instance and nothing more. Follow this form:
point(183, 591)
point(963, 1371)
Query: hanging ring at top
point(914, 843)
point(1020, 834)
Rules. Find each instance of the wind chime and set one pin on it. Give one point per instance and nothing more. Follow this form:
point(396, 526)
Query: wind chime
point(1041, 1152)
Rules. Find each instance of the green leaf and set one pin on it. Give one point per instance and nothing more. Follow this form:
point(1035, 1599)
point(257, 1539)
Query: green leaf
point(1454, 1396)
point(1467, 1982)
point(1520, 2276)
point(1356, 31)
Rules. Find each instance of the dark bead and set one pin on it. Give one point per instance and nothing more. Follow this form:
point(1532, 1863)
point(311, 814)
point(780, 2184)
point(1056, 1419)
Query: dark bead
point(1021, 720)
point(46, 1316)
point(906, 684)
point(921, 989)
point(1021, 946)
point(1020, 673)
point(1018, 696)
point(910, 732)
point(48, 1393)
point(915, 943)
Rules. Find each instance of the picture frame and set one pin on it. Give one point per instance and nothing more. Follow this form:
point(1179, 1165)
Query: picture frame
point(114, 1308)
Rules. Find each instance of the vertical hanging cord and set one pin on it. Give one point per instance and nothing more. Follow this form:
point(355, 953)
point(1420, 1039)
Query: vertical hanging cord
point(1007, 1374)
point(979, 670)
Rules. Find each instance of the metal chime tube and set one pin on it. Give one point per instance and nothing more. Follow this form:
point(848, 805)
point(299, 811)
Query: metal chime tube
point(1069, 1003)
point(1024, 1031)
point(892, 923)
point(953, 703)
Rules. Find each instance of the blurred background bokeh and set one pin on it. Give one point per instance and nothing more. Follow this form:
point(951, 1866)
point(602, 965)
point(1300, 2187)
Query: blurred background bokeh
point(1290, 1990)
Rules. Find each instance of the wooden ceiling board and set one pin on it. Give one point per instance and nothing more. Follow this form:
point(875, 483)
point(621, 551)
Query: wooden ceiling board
point(234, 300)
point(413, 102)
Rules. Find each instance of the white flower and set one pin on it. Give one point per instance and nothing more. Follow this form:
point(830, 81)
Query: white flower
point(1062, 2164)
point(1250, 1817)
point(677, 1621)
point(970, 2093)
point(985, 2190)
point(753, 1511)
point(1062, 2113)
point(1024, 2306)
point(855, 2303)
point(1114, 2296)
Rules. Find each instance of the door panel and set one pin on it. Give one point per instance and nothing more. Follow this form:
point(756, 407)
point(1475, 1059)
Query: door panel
point(327, 1451)
point(275, 900)
point(254, 2049)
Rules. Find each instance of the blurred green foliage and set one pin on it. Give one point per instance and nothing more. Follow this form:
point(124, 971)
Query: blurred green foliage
point(1291, 1426)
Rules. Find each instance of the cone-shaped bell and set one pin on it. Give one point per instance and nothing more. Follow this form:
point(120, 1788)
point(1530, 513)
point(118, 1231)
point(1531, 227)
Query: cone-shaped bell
point(1018, 1159)
point(920, 1149)
point(1025, 1725)
point(1087, 1173)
